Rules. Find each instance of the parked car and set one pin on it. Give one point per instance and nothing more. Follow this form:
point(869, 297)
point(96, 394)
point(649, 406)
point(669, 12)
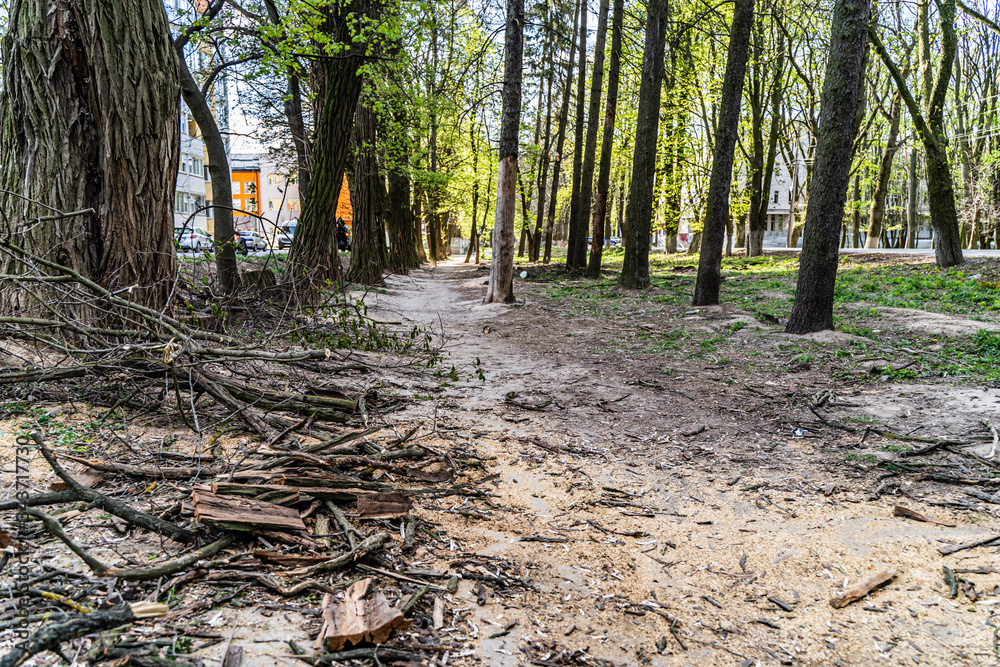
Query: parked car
point(285, 240)
point(615, 240)
point(193, 239)
point(253, 241)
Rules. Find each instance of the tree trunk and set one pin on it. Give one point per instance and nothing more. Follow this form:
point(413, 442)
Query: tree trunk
point(877, 213)
point(418, 232)
point(840, 100)
point(590, 153)
point(89, 120)
point(402, 245)
point(226, 267)
point(856, 211)
point(550, 220)
point(600, 214)
point(576, 239)
point(313, 260)
point(501, 285)
point(635, 267)
point(543, 166)
point(706, 291)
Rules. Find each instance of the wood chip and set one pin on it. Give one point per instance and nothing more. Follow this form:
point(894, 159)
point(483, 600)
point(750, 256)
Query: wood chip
point(907, 513)
point(236, 513)
point(862, 588)
point(981, 542)
point(358, 620)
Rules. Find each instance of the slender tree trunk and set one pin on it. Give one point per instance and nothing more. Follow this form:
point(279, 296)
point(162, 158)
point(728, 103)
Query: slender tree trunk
point(635, 267)
point(607, 143)
point(590, 153)
point(706, 291)
point(82, 129)
point(877, 213)
point(313, 259)
point(418, 232)
point(543, 166)
point(841, 97)
point(856, 213)
point(576, 239)
point(501, 285)
point(758, 222)
point(560, 139)
point(227, 270)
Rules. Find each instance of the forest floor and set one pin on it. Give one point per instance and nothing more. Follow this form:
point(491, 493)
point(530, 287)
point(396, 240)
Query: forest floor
point(667, 485)
point(694, 509)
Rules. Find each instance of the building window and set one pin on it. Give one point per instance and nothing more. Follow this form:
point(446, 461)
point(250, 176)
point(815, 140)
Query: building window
point(274, 179)
point(293, 205)
point(273, 204)
point(252, 204)
point(775, 196)
point(236, 187)
point(178, 202)
point(237, 204)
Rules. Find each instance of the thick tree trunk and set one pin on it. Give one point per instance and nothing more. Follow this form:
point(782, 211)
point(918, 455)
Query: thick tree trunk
point(576, 239)
point(367, 255)
point(600, 213)
point(877, 213)
point(226, 268)
point(313, 260)
point(706, 291)
point(501, 285)
point(635, 267)
point(560, 139)
point(402, 245)
point(841, 97)
point(590, 153)
point(89, 120)
point(944, 215)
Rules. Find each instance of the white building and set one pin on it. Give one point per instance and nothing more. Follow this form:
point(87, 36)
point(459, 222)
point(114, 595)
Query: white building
point(279, 196)
point(189, 198)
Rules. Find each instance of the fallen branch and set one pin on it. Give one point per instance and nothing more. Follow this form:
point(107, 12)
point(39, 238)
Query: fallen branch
point(368, 546)
point(111, 506)
point(50, 637)
point(861, 589)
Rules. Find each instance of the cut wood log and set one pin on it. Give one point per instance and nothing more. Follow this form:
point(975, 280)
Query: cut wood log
point(907, 513)
point(236, 513)
point(862, 588)
point(357, 620)
point(384, 505)
point(305, 492)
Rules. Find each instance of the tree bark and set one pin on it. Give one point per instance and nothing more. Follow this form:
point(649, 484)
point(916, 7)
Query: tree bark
point(877, 212)
point(418, 234)
point(590, 153)
point(501, 285)
point(839, 102)
point(367, 252)
point(543, 165)
point(313, 260)
point(706, 291)
point(912, 228)
point(635, 267)
point(576, 239)
point(89, 120)
point(607, 142)
point(560, 139)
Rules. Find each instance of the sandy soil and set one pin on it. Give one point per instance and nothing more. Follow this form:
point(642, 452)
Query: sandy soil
point(685, 486)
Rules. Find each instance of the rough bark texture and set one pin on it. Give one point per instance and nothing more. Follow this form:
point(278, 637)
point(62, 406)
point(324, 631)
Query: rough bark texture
point(90, 121)
point(706, 291)
point(550, 219)
point(877, 213)
point(635, 269)
point(313, 259)
point(590, 154)
point(600, 212)
point(226, 267)
point(418, 233)
point(501, 287)
point(911, 200)
point(576, 240)
point(841, 97)
point(367, 242)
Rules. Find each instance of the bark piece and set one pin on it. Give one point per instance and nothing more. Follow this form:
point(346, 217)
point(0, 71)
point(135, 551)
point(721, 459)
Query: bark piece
point(384, 505)
point(237, 513)
point(356, 620)
point(86, 478)
point(907, 513)
point(981, 542)
point(862, 588)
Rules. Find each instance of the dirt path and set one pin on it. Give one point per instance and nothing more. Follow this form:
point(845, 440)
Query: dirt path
point(677, 519)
